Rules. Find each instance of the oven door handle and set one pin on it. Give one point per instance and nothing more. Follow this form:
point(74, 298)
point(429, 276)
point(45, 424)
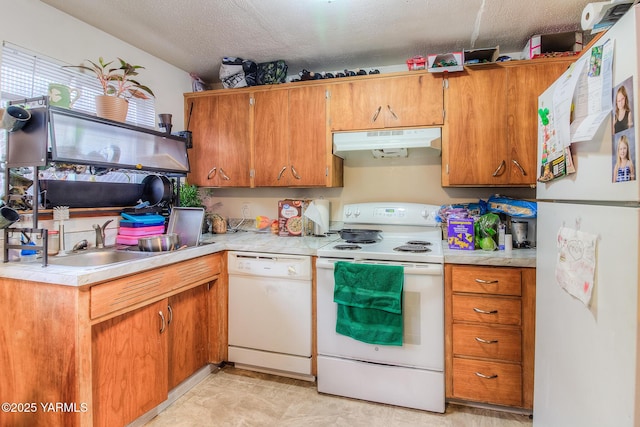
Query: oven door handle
point(409, 268)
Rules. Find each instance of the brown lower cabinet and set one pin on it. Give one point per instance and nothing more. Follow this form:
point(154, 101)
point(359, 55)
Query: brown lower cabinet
point(139, 356)
point(129, 365)
point(490, 334)
point(105, 354)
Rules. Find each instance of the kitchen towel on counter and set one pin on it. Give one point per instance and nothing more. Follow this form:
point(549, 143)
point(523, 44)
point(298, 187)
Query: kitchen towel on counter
point(369, 299)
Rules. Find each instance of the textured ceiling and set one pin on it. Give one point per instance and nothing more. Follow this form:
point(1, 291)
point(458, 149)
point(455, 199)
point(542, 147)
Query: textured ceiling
point(320, 35)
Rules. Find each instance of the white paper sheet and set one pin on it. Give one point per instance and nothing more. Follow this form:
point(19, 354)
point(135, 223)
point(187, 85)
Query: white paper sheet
point(576, 265)
point(592, 102)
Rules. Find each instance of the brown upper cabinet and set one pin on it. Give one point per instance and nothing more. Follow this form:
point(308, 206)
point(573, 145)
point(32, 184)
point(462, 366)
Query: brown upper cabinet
point(396, 101)
point(267, 136)
point(221, 153)
point(490, 133)
point(291, 146)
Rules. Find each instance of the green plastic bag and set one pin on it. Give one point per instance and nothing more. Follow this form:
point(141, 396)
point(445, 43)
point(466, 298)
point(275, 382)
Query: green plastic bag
point(486, 232)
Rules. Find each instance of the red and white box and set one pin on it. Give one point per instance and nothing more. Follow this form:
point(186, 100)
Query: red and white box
point(552, 43)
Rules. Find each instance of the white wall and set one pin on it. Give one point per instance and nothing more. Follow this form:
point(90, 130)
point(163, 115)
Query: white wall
point(41, 28)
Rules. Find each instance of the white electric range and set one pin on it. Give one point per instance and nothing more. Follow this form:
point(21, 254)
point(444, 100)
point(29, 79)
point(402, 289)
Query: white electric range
point(412, 374)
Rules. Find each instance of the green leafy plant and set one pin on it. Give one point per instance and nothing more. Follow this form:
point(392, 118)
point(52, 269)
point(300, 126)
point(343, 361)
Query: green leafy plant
point(189, 196)
point(117, 81)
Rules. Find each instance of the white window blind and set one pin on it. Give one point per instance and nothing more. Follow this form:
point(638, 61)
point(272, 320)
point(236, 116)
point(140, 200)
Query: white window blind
point(25, 74)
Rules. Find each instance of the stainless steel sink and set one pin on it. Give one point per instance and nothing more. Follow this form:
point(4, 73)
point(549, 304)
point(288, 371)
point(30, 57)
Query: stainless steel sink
point(95, 258)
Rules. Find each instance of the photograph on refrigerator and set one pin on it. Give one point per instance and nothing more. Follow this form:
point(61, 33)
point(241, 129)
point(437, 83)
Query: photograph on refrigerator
point(624, 154)
point(622, 101)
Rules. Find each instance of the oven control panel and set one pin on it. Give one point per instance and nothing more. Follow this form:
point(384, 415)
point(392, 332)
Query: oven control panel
point(391, 213)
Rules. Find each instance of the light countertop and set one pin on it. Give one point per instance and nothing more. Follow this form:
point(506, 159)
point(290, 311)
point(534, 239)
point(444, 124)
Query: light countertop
point(239, 241)
point(513, 258)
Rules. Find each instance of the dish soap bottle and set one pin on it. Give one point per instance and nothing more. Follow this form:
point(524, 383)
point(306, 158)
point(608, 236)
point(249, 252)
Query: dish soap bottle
point(501, 234)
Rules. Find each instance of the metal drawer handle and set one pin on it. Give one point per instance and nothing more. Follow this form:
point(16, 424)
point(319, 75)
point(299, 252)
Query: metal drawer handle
point(483, 341)
point(502, 165)
point(486, 282)
point(295, 173)
point(284, 168)
point(375, 116)
point(522, 171)
point(170, 310)
point(212, 172)
point(489, 377)
point(478, 310)
point(162, 323)
point(392, 113)
point(224, 175)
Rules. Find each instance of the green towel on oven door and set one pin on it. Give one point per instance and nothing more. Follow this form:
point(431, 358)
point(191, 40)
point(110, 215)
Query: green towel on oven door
point(369, 298)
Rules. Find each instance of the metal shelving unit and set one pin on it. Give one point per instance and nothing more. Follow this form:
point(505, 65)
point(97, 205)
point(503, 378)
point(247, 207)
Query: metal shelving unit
point(62, 135)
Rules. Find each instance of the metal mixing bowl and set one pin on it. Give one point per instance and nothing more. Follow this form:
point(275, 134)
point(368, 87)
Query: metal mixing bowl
point(159, 243)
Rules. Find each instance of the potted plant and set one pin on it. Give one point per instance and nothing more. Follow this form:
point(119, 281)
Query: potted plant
point(118, 86)
point(190, 196)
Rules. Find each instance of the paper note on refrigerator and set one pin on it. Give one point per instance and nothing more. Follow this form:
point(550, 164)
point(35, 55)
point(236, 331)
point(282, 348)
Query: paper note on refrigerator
point(576, 263)
point(592, 100)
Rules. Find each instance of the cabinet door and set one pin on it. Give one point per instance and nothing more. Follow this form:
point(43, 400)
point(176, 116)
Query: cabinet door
point(476, 144)
point(309, 152)
point(270, 130)
point(188, 333)
point(234, 147)
point(203, 155)
point(413, 101)
point(524, 85)
point(129, 364)
point(356, 105)
point(399, 101)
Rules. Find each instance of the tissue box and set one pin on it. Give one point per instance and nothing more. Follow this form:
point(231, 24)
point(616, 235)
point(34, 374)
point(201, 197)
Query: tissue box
point(552, 43)
point(442, 62)
point(291, 220)
point(460, 234)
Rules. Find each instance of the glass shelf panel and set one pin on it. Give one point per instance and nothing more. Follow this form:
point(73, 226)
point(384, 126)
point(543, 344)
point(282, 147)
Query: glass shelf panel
point(85, 139)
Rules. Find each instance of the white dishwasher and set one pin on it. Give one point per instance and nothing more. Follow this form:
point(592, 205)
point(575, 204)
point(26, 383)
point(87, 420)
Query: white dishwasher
point(270, 313)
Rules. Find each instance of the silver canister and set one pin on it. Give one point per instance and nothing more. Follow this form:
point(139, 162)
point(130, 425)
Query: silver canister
point(519, 231)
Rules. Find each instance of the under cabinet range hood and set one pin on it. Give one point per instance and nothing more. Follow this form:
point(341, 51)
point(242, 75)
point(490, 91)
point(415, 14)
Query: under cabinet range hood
point(387, 143)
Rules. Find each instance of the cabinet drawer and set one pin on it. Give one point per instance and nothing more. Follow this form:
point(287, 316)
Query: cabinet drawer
point(492, 342)
point(150, 285)
point(491, 382)
point(503, 311)
point(487, 280)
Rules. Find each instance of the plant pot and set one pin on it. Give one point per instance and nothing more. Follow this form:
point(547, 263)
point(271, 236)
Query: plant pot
point(112, 108)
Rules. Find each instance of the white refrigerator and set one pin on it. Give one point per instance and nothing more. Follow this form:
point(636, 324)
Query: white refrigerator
point(587, 362)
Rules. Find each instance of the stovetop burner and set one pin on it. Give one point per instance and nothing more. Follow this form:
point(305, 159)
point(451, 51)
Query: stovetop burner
point(414, 248)
point(347, 247)
point(362, 241)
point(418, 242)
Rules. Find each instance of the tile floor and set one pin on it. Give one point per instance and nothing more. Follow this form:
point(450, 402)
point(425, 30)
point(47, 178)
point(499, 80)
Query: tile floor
point(235, 397)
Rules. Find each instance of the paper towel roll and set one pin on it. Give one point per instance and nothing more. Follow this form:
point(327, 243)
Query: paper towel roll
point(592, 13)
point(319, 211)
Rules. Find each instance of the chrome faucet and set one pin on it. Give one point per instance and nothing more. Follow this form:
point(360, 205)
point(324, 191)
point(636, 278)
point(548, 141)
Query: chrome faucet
point(100, 233)
point(80, 246)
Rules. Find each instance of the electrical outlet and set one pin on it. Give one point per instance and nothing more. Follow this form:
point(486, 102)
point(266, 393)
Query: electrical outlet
point(246, 210)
